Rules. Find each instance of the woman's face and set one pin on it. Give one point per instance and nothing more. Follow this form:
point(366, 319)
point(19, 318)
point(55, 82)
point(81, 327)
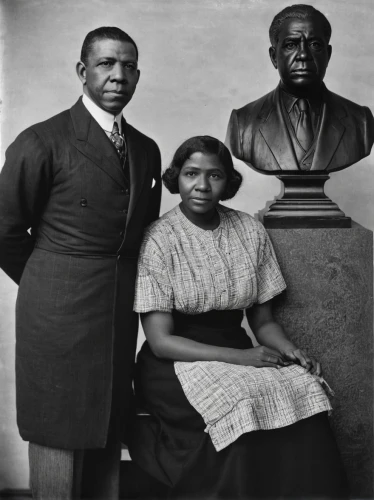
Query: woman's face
point(202, 182)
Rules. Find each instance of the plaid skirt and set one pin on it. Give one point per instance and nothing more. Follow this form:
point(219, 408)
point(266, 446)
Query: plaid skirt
point(300, 460)
point(234, 399)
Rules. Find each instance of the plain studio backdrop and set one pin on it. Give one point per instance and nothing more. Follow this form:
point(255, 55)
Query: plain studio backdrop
point(199, 59)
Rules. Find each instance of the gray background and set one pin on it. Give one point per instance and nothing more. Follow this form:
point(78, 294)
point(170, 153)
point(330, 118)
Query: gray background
point(198, 60)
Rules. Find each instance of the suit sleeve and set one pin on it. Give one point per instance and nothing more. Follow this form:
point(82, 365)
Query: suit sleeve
point(25, 181)
point(153, 209)
point(232, 140)
point(369, 130)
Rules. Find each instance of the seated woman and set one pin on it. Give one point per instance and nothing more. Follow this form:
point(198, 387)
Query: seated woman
point(228, 420)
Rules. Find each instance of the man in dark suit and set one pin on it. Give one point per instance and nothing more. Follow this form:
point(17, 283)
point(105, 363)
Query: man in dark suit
point(76, 192)
point(300, 126)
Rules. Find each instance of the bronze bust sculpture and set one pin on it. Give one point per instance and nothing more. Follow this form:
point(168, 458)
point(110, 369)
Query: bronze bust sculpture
point(300, 126)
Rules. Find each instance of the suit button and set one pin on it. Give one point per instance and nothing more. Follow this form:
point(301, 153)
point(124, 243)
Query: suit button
point(125, 211)
point(83, 202)
point(122, 234)
point(127, 191)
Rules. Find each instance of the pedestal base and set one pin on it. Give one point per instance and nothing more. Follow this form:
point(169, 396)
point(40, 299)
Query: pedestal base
point(328, 310)
point(303, 203)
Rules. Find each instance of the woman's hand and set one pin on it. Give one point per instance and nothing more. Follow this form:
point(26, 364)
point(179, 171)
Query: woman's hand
point(271, 334)
point(300, 357)
point(260, 357)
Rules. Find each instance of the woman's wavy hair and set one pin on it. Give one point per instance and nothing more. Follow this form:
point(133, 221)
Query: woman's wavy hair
point(206, 145)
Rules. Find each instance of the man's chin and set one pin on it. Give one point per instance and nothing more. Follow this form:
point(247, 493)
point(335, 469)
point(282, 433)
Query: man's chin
point(115, 107)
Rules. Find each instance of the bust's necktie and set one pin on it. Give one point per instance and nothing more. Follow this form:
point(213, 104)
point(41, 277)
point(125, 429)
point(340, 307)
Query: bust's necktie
point(120, 144)
point(304, 129)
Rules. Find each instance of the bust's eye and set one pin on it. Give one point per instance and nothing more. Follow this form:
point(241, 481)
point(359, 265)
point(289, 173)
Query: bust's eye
point(106, 64)
point(316, 46)
point(290, 45)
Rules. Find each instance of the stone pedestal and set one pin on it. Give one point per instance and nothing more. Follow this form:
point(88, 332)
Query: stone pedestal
point(328, 310)
point(304, 204)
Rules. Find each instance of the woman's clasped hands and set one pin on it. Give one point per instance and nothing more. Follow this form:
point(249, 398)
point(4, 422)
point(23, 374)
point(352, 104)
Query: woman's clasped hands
point(262, 356)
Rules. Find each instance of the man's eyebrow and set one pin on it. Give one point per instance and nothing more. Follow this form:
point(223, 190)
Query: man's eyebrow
point(315, 37)
point(297, 37)
point(292, 37)
point(131, 60)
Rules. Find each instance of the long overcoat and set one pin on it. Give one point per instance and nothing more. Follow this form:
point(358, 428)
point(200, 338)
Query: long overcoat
point(76, 269)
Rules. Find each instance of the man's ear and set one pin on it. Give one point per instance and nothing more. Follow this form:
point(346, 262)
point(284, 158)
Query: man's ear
point(329, 51)
point(273, 58)
point(138, 71)
point(81, 72)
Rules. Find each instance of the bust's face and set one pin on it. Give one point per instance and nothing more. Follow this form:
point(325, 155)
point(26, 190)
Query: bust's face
point(301, 55)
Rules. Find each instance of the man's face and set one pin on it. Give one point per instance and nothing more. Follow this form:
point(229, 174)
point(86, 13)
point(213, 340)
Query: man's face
point(110, 76)
point(301, 55)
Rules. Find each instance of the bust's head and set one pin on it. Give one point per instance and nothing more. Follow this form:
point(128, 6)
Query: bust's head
point(300, 50)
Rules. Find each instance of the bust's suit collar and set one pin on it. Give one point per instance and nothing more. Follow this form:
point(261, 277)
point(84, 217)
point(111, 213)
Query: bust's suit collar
point(276, 136)
point(331, 131)
point(275, 133)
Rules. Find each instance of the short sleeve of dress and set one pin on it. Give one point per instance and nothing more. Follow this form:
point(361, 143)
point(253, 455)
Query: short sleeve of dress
point(153, 291)
point(270, 281)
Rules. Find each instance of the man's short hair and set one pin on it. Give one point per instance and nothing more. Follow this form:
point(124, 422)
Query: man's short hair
point(104, 33)
point(299, 11)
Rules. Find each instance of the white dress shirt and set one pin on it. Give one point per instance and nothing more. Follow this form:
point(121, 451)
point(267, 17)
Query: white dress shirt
point(103, 118)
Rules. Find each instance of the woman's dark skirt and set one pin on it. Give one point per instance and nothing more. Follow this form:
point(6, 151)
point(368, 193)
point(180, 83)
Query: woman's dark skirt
point(297, 461)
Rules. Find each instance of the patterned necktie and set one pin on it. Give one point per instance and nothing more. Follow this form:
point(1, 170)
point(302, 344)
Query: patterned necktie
point(120, 144)
point(304, 129)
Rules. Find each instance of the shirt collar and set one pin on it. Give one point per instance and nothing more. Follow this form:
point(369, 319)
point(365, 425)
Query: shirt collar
point(289, 101)
point(103, 118)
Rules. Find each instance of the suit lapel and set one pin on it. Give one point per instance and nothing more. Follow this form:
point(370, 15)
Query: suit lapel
point(330, 133)
point(92, 142)
point(275, 133)
point(138, 165)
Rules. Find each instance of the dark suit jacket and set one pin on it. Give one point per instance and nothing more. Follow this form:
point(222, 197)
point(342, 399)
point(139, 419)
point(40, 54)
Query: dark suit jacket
point(76, 332)
point(258, 135)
